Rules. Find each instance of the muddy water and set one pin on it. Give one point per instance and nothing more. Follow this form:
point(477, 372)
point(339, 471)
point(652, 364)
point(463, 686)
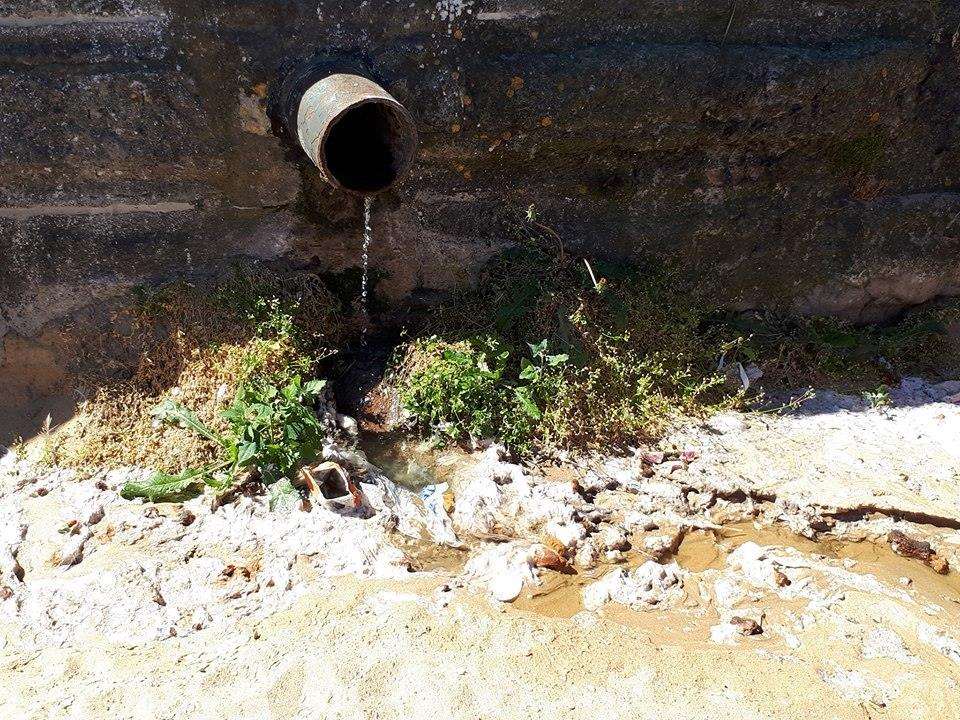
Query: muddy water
point(412, 463)
point(415, 464)
point(700, 551)
point(559, 595)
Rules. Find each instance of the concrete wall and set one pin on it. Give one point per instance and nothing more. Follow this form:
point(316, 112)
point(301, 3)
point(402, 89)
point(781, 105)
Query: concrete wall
point(802, 154)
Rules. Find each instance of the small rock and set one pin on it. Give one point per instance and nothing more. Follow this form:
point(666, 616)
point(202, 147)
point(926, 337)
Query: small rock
point(549, 558)
point(652, 458)
point(939, 564)
point(348, 425)
point(746, 626)
point(592, 483)
point(726, 423)
point(587, 555)
point(506, 588)
point(645, 586)
point(662, 547)
point(614, 538)
point(907, 546)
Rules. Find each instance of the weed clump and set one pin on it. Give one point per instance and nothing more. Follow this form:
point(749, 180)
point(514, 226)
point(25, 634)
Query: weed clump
point(544, 356)
point(828, 352)
point(471, 387)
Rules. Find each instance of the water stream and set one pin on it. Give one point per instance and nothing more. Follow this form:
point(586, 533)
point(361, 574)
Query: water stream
point(365, 278)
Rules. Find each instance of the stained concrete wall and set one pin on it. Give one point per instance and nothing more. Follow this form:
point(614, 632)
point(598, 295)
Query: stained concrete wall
point(802, 154)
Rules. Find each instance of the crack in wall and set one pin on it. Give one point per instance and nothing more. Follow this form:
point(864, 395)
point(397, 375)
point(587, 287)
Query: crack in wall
point(29, 211)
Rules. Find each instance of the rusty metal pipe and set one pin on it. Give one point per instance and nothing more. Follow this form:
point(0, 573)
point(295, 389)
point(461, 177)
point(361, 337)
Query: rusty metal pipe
point(362, 139)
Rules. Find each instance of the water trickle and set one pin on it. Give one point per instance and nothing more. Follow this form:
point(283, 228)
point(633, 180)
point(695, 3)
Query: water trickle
point(364, 281)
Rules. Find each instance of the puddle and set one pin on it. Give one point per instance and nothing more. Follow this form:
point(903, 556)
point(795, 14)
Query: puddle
point(426, 556)
point(559, 595)
point(414, 464)
point(411, 463)
point(701, 550)
point(705, 550)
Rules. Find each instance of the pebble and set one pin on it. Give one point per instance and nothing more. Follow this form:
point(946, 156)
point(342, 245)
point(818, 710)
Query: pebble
point(506, 588)
point(746, 626)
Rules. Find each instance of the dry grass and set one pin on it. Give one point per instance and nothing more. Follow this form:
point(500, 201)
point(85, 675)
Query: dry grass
point(197, 344)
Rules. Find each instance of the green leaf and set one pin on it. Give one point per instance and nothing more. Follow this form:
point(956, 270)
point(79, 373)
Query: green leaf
point(245, 453)
point(527, 403)
point(528, 371)
point(162, 487)
point(314, 387)
point(173, 412)
point(260, 411)
point(539, 349)
point(554, 360)
point(235, 413)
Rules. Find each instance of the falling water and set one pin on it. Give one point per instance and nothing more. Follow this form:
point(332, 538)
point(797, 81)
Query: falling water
point(367, 237)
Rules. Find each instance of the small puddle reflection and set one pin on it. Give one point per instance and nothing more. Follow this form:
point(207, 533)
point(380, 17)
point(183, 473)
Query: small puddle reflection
point(411, 463)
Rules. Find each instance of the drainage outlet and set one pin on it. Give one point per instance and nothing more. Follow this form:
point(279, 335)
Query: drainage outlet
point(362, 139)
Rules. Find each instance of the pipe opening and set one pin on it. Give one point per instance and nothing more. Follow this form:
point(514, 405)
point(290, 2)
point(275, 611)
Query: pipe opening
point(368, 147)
point(356, 133)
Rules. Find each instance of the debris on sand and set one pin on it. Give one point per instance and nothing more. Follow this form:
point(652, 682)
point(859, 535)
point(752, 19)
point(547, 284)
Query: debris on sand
point(907, 546)
point(649, 585)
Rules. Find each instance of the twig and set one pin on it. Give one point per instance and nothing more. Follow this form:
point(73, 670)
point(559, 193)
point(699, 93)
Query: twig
point(733, 11)
point(596, 285)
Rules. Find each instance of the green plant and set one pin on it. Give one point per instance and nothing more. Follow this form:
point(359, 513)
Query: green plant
point(472, 389)
point(272, 430)
point(199, 343)
point(878, 398)
point(794, 351)
point(630, 351)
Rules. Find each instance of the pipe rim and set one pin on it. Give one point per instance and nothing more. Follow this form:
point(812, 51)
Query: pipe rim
point(402, 163)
